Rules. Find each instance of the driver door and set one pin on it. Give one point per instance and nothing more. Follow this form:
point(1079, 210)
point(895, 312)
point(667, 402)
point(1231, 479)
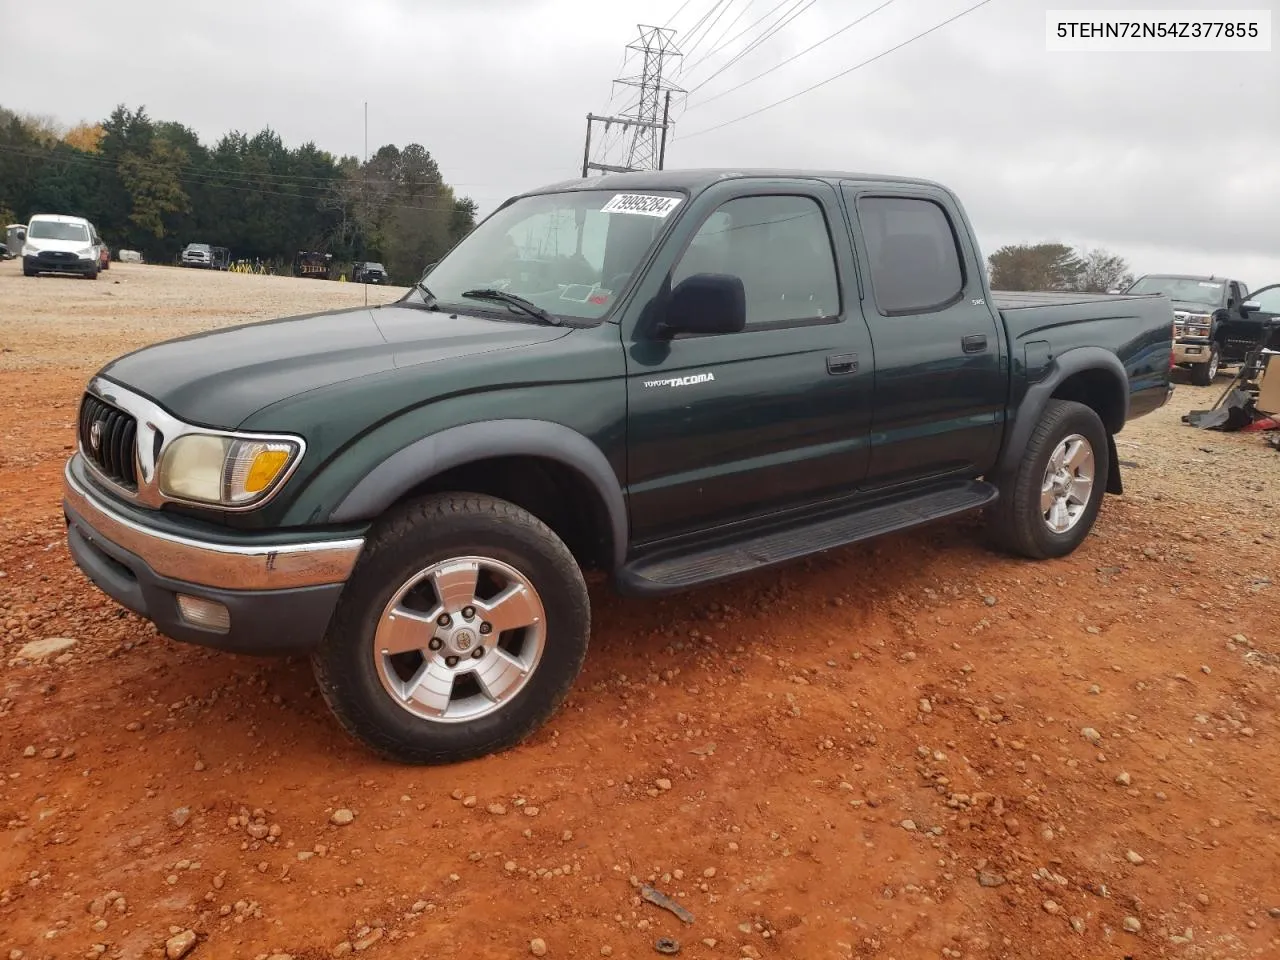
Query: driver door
point(1268, 312)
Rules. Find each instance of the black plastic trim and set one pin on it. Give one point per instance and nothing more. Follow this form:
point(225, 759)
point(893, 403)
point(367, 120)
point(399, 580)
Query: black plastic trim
point(1038, 395)
point(407, 468)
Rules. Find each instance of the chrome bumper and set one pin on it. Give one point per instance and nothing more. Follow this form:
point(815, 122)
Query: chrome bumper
point(259, 566)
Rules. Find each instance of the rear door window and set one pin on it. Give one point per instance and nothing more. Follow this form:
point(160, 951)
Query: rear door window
point(915, 265)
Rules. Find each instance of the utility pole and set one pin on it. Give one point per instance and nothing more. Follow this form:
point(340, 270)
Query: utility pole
point(650, 117)
point(666, 124)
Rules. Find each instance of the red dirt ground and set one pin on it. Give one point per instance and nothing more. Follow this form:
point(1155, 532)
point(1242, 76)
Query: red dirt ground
point(819, 762)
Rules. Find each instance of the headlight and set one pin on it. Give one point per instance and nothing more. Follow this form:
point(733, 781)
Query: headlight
point(85, 254)
point(224, 471)
point(30, 248)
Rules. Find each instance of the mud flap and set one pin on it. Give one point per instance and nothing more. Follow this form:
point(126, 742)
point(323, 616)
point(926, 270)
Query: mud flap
point(1114, 483)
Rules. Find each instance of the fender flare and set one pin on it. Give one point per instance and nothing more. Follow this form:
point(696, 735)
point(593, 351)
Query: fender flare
point(421, 460)
point(1038, 395)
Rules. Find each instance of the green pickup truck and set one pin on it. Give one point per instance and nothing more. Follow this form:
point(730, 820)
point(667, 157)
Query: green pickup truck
point(672, 377)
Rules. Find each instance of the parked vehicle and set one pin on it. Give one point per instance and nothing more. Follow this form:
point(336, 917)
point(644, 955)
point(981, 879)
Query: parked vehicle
point(694, 376)
point(104, 252)
point(312, 264)
point(1210, 326)
point(197, 255)
point(1262, 317)
point(60, 244)
point(15, 235)
point(4, 252)
point(366, 271)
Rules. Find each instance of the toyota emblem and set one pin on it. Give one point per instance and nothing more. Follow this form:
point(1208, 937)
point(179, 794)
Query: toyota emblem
point(95, 435)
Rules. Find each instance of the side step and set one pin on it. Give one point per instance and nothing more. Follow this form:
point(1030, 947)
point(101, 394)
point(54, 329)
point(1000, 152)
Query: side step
point(671, 571)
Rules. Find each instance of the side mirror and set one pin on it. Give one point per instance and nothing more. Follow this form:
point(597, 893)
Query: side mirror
point(706, 303)
point(1249, 306)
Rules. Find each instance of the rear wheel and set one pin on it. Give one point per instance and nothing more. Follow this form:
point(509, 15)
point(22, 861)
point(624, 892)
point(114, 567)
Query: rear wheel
point(460, 632)
point(1049, 502)
point(1203, 374)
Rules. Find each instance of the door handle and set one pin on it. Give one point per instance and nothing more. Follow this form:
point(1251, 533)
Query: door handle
point(974, 343)
point(842, 363)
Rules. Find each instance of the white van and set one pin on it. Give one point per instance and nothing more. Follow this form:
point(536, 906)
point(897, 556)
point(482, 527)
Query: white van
point(58, 244)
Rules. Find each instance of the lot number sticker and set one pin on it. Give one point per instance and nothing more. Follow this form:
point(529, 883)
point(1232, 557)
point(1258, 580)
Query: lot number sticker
point(643, 204)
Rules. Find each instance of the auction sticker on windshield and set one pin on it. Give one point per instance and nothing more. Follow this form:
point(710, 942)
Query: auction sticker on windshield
point(641, 203)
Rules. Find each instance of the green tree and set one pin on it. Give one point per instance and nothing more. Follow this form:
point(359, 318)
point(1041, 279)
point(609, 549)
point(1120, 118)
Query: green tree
point(1042, 266)
point(152, 182)
point(1103, 271)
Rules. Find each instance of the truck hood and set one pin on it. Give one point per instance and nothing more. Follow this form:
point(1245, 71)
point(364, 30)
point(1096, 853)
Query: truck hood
point(220, 378)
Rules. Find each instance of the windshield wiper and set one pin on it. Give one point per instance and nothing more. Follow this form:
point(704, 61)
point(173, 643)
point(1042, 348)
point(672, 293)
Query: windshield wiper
point(511, 300)
point(428, 298)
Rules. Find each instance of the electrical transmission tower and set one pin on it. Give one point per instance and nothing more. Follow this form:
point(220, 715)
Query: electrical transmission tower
point(647, 124)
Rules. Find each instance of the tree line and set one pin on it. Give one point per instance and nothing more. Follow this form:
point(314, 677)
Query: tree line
point(153, 186)
point(1055, 266)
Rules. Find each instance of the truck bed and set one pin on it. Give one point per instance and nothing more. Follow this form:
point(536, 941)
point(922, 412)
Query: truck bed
point(1020, 300)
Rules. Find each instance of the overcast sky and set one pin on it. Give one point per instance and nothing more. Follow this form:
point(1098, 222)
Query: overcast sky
point(1172, 160)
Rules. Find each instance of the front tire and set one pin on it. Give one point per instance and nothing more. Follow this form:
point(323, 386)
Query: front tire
point(460, 632)
point(1049, 502)
point(1203, 374)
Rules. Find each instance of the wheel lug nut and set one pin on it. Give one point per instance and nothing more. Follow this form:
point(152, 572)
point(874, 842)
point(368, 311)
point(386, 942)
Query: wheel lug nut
point(444, 620)
point(450, 661)
point(435, 643)
point(477, 653)
point(468, 612)
point(486, 628)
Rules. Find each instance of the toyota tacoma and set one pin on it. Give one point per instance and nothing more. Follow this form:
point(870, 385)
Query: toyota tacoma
point(672, 377)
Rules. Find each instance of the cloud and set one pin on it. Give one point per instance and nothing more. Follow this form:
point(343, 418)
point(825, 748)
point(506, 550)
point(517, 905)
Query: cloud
point(1168, 159)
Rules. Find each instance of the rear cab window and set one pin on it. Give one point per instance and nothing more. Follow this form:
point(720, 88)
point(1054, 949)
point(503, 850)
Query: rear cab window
point(916, 265)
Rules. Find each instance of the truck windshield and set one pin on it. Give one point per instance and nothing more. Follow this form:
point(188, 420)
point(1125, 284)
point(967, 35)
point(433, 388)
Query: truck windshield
point(198, 247)
point(1206, 292)
point(570, 253)
point(55, 230)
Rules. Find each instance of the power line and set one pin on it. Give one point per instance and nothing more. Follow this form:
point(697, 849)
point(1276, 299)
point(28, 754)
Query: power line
point(698, 26)
point(711, 26)
point(720, 43)
point(776, 66)
point(755, 44)
point(744, 31)
point(843, 73)
point(679, 11)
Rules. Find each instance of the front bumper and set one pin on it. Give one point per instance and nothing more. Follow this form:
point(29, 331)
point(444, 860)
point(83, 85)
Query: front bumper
point(1192, 350)
point(45, 264)
point(279, 596)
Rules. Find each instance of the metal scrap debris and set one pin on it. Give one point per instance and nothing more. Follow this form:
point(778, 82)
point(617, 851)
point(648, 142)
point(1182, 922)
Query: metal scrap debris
point(660, 899)
point(667, 945)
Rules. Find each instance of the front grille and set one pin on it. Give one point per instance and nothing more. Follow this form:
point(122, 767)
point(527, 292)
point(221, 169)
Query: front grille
point(116, 433)
point(56, 256)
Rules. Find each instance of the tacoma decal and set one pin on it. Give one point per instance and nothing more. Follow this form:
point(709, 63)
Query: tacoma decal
point(681, 381)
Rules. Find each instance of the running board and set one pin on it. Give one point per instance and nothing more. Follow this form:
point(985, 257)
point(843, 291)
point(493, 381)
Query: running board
point(671, 571)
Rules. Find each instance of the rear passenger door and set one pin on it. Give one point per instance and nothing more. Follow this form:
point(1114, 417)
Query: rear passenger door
point(941, 373)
